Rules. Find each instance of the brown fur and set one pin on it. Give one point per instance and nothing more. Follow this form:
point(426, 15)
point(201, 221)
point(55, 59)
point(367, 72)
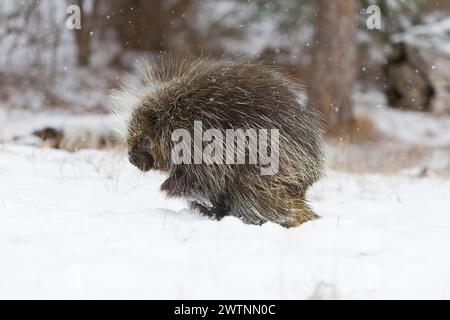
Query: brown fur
point(225, 95)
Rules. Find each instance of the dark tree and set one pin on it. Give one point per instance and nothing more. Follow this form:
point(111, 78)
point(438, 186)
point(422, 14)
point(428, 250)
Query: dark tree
point(334, 61)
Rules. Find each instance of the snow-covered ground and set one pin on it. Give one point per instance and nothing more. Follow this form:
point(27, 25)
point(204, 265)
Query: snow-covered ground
point(88, 225)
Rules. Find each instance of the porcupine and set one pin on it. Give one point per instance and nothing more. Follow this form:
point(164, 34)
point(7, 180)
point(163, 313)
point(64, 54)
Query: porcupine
point(168, 94)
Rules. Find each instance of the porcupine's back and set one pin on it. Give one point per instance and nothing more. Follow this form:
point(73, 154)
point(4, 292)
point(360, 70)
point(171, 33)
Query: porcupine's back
point(241, 95)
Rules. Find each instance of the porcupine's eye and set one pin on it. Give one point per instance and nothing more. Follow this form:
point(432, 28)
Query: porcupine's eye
point(153, 120)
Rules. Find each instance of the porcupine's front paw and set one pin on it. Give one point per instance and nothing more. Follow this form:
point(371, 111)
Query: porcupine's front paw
point(216, 212)
point(196, 202)
point(205, 210)
point(176, 185)
point(171, 188)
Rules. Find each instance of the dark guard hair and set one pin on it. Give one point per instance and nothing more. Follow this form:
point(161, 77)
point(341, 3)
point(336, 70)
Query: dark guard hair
point(171, 94)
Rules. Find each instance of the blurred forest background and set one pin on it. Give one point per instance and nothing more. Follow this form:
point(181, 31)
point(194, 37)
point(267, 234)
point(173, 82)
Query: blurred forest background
point(383, 92)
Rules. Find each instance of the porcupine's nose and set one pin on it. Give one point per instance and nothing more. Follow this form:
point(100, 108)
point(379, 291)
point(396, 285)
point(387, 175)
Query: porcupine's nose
point(140, 155)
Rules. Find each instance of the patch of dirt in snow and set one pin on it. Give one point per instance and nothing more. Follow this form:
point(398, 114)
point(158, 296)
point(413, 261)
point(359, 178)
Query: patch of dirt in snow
point(79, 131)
point(88, 225)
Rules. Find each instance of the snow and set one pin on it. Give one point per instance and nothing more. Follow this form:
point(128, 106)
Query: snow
point(408, 127)
point(432, 35)
point(20, 123)
point(89, 225)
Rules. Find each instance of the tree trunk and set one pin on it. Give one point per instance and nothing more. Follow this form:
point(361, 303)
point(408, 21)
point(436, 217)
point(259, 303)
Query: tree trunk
point(149, 25)
point(334, 61)
point(140, 24)
point(83, 35)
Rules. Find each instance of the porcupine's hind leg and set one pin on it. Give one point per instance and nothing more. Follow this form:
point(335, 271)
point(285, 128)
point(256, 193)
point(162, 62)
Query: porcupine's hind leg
point(272, 202)
point(300, 212)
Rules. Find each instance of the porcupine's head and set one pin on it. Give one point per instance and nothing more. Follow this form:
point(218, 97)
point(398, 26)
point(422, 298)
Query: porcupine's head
point(137, 118)
point(143, 139)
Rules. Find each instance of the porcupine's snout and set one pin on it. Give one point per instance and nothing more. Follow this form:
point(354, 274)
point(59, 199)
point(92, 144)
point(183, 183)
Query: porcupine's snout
point(140, 155)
